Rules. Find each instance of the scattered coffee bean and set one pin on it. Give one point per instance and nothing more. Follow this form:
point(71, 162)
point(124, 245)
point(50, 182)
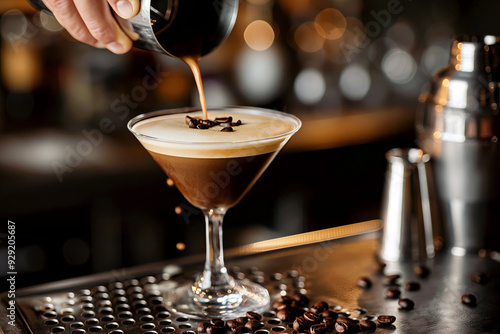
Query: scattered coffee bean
point(301, 299)
point(469, 299)
point(253, 324)
point(391, 279)
point(392, 293)
point(406, 304)
point(208, 122)
point(379, 266)
point(232, 323)
point(386, 319)
point(346, 325)
point(285, 315)
point(286, 300)
point(216, 330)
point(201, 126)
point(253, 315)
point(319, 307)
point(217, 322)
point(300, 324)
point(329, 322)
point(364, 283)
point(312, 317)
point(238, 123)
point(240, 329)
point(318, 329)
point(227, 129)
point(367, 326)
point(241, 320)
point(412, 286)
point(281, 306)
point(422, 270)
point(226, 125)
point(329, 314)
point(479, 278)
point(202, 327)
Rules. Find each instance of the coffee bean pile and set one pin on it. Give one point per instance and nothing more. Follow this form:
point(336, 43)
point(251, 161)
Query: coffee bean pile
point(226, 123)
point(247, 324)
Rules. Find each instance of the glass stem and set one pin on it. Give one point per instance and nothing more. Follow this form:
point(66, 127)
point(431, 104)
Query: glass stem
point(215, 274)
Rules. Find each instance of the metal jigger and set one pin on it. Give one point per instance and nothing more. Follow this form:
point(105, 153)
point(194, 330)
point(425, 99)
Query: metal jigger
point(459, 126)
point(409, 211)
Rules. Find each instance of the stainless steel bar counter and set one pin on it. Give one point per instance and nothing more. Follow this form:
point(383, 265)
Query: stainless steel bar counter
point(324, 264)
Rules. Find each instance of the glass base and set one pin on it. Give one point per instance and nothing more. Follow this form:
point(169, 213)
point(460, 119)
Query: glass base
point(245, 296)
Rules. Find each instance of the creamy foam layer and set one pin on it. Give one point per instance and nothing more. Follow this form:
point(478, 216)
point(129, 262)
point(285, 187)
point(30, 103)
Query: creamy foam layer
point(174, 137)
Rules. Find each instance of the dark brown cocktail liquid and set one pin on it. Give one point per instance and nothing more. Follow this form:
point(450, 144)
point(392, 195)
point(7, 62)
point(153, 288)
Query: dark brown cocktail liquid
point(214, 182)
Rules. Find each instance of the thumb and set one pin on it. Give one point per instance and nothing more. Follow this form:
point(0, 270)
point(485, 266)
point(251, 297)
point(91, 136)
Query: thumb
point(126, 8)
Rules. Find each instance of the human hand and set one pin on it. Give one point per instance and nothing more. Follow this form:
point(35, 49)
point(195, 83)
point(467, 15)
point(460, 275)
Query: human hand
point(93, 23)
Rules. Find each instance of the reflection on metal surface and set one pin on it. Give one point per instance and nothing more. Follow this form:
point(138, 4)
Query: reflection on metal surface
point(306, 238)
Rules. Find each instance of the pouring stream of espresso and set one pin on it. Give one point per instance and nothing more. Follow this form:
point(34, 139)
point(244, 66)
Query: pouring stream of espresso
point(192, 62)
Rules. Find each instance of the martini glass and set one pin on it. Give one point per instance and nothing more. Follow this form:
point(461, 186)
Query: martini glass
point(214, 170)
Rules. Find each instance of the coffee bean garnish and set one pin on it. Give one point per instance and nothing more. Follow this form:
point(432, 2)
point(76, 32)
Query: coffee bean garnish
point(318, 329)
point(285, 315)
point(412, 286)
point(386, 319)
point(392, 293)
point(229, 129)
point(319, 307)
point(367, 326)
point(469, 299)
point(300, 324)
point(329, 314)
point(391, 279)
point(422, 270)
point(479, 278)
point(241, 320)
point(203, 124)
point(253, 324)
point(364, 283)
point(202, 327)
point(224, 119)
point(253, 315)
point(216, 330)
point(301, 299)
point(312, 317)
point(406, 304)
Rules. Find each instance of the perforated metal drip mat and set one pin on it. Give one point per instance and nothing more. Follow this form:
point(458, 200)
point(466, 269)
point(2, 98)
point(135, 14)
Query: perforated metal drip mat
point(136, 306)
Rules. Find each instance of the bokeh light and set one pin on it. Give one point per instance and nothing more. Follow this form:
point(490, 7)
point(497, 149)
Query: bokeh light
point(308, 39)
point(259, 35)
point(330, 24)
point(354, 82)
point(310, 86)
point(403, 34)
point(260, 74)
point(49, 22)
point(399, 66)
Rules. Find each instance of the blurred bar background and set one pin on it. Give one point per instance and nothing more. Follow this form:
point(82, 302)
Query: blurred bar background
point(86, 197)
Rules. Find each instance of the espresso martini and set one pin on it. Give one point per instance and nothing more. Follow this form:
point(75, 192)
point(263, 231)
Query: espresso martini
point(212, 168)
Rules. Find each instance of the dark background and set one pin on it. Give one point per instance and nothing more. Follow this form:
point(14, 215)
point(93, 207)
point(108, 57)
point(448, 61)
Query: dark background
point(114, 209)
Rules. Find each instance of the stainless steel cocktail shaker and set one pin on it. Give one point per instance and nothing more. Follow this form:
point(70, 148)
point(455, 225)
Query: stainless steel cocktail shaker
point(459, 126)
point(178, 28)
